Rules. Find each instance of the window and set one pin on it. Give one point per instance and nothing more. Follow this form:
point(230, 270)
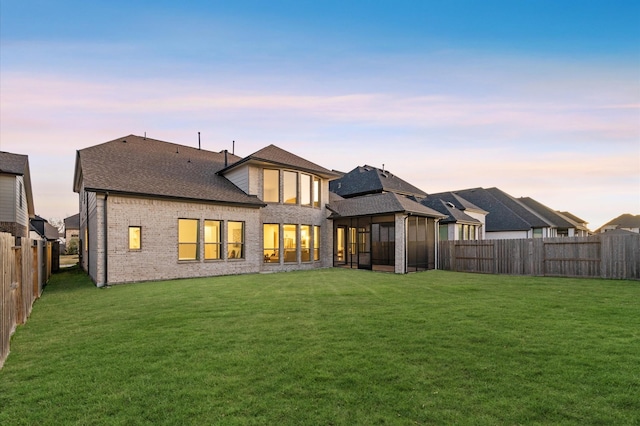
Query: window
point(271, 191)
point(444, 232)
point(290, 187)
point(187, 239)
point(537, 232)
point(305, 243)
point(316, 192)
point(271, 242)
point(305, 190)
point(135, 237)
point(316, 243)
point(235, 240)
point(212, 239)
point(290, 243)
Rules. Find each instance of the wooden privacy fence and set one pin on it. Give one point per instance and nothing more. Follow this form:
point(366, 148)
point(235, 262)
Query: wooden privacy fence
point(24, 270)
point(600, 256)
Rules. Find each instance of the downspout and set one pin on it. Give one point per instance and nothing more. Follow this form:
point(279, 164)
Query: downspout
point(106, 244)
point(406, 244)
point(86, 225)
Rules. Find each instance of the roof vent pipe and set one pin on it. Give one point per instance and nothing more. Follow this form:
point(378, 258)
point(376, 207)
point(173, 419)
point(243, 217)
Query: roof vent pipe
point(233, 148)
point(225, 158)
point(198, 141)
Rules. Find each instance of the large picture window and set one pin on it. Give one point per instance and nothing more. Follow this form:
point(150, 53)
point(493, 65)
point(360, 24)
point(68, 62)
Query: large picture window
point(235, 240)
point(271, 242)
point(290, 187)
point(187, 239)
point(135, 234)
point(271, 192)
point(212, 239)
point(290, 234)
point(316, 243)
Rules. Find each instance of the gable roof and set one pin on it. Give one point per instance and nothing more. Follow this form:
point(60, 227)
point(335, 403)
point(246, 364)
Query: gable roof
point(371, 180)
point(18, 165)
point(43, 228)
point(136, 165)
point(505, 212)
point(376, 204)
point(573, 217)
point(275, 156)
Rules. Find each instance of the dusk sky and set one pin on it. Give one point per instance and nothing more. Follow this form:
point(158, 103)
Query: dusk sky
point(538, 98)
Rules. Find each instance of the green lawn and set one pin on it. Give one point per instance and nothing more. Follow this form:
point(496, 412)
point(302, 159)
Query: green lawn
point(328, 347)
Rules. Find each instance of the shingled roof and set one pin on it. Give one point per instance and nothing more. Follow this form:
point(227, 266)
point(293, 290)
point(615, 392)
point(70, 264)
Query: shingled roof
point(550, 215)
point(275, 156)
point(371, 180)
point(453, 214)
point(376, 204)
point(505, 212)
point(13, 164)
point(626, 220)
point(149, 167)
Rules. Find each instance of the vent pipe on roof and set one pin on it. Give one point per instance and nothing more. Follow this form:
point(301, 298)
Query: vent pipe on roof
point(225, 158)
point(233, 148)
point(198, 141)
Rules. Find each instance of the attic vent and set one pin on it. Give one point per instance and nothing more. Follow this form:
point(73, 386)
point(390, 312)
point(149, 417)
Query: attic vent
point(451, 205)
point(124, 141)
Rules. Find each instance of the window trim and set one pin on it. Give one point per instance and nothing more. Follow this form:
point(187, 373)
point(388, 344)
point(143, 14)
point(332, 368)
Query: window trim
point(277, 253)
point(279, 198)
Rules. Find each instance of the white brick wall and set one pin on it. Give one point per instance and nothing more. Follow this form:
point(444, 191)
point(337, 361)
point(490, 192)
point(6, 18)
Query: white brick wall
point(158, 258)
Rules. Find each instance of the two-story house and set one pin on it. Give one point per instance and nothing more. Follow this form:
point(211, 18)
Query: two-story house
point(16, 196)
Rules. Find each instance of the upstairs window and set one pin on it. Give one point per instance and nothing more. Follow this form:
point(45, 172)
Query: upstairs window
point(271, 190)
point(305, 189)
point(290, 187)
point(316, 192)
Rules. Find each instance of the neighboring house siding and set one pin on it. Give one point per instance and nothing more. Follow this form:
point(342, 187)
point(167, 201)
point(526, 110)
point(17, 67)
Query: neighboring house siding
point(158, 257)
point(8, 193)
point(240, 178)
point(504, 235)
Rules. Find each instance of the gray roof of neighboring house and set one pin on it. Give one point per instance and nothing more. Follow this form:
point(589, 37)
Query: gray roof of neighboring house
point(573, 217)
point(370, 180)
point(377, 204)
point(626, 220)
point(14, 164)
point(275, 156)
point(72, 222)
point(549, 215)
point(505, 212)
point(44, 228)
point(452, 213)
point(149, 167)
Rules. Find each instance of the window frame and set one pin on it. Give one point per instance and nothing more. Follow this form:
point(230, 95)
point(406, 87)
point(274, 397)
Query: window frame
point(306, 190)
point(183, 243)
point(264, 180)
point(292, 242)
point(214, 243)
point(316, 191)
point(316, 243)
point(275, 257)
point(131, 240)
point(232, 242)
point(286, 187)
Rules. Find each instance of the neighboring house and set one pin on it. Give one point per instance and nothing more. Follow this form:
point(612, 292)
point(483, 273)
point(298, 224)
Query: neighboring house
point(42, 229)
point(564, 225)
point(16, 196)
point(379, 225)
point(464, 220)
point(580, 223)
point(72, 227)
point(627, 222)
point(507, 217)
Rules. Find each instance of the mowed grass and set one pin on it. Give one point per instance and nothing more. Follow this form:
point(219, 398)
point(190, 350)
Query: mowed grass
point(333, 347)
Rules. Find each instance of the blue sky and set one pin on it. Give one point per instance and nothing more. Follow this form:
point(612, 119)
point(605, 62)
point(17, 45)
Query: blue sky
point(538, 98)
